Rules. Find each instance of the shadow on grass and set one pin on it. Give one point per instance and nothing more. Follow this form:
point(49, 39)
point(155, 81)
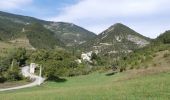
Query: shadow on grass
point(61, 80)
point(58, 80)
point(111, 73)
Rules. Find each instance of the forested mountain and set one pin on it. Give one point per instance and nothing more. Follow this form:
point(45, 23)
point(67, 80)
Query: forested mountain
point(116, 39)
point(14, 26)
point(70, 34)
point(41, 37)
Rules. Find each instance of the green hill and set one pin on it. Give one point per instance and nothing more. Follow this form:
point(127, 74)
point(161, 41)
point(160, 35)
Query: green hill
point(164, 38)
point(155, 54)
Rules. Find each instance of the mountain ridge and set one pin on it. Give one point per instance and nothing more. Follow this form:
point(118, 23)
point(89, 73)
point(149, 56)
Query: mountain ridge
point(12, 25)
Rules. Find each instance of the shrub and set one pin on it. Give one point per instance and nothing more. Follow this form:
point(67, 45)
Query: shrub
point(2, 79)
point(122, 68)
point(13, 74)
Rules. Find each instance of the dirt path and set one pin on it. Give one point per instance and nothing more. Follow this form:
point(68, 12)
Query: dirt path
point(25, 72)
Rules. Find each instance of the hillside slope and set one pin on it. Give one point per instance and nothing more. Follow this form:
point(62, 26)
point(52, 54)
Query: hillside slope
point(70, 34)
point(164, 38)
point(41, 37)
point(12, 27)
point(155, 54)
point(115, 40)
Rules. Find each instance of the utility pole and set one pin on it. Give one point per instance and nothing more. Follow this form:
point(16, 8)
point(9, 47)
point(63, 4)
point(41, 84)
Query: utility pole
point(40, 72)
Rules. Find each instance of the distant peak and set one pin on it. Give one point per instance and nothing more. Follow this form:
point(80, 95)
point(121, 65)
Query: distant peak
point(118, 25)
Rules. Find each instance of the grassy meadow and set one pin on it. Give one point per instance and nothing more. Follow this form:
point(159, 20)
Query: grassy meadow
point(142, 84)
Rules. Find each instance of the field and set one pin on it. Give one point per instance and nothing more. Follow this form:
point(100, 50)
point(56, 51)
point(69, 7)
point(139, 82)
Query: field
point(6, 47)
point(142, 84)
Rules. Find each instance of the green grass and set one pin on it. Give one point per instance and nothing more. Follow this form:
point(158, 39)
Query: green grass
point(142, 84)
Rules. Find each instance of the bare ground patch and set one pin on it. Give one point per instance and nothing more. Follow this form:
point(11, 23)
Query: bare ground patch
point(12, 84)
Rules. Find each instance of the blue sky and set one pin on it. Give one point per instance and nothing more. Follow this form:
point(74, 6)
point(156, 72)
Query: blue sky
point(36, 8)
point(148, 17)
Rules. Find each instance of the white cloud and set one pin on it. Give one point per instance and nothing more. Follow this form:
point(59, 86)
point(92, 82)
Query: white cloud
point(110, 8)
point(97, 15)
point(13, 4)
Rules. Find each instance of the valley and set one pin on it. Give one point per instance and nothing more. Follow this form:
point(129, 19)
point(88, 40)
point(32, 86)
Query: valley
point(77, 64)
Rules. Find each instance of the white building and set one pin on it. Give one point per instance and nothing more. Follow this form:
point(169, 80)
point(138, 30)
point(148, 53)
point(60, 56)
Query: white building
point(86, 56)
